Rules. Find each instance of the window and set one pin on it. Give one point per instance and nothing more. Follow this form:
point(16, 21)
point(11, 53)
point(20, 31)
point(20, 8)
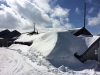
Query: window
point(96, 52)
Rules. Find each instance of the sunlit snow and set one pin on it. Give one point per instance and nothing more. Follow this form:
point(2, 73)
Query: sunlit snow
point(51, 53)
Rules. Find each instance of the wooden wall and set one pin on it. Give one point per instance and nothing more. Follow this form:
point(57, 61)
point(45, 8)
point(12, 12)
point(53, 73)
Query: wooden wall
point(3, 42)
point(6, 42)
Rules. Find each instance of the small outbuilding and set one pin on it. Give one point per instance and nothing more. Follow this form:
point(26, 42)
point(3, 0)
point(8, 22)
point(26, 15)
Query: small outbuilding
point(93, 50)
point(7, 37)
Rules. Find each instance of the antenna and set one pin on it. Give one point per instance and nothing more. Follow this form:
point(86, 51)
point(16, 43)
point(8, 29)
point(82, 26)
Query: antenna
point(34, 27)
point(84, 14)
point(84, 17)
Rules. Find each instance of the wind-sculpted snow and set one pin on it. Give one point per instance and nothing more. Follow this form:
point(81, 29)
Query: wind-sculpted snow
point(15, 63)
point(51, 53)
point(59, 48)
point(12, 63)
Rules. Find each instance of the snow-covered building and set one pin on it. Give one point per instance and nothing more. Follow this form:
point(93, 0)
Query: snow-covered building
point(7, 37)
point(92, 41)
point(91, 53)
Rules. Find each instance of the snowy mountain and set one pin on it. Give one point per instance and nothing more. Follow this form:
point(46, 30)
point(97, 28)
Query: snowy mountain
point(51, 53)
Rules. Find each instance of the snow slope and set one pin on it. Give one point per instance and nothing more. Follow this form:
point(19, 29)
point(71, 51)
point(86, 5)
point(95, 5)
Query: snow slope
point(59, 48)
point(51, 53)
point(13, 63)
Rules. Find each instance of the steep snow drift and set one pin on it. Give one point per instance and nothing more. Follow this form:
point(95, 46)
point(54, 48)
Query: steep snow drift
point(50, 54)
point(63, 52)
point(44, 44)
point(57, 47)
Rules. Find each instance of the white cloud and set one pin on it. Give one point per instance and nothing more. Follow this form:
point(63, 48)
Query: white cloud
point(56, 24)
point(94, 21)
point(60, 12)
point(2, 0)
point(77, 10)
point(8, 18)
point(68, 26)
point(91, 10)
point(44, 4)
point(22, 14)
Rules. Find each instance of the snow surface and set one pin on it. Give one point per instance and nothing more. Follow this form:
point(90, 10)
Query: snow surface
point(60, 47)
point(12, 63)
point(51, 53)
point(19, 47)
point(74, 30)
point(89, 39)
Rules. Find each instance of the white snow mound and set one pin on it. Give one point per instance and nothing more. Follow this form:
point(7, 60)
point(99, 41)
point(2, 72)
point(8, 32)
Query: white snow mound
point(59, 47)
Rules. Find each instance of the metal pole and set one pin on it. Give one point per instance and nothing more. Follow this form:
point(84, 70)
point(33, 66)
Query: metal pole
point(84, 16)
point(34, 27)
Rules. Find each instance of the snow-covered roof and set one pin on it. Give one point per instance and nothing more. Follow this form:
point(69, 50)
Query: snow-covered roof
point(89, 40)
point(74, 30)
point(26, 38)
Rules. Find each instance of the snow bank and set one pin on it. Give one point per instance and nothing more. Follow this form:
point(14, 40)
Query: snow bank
point(19, 47)
point(12, 63)
point(44, 44)
point(27, 38)
point(50, 54)
point(58, 48)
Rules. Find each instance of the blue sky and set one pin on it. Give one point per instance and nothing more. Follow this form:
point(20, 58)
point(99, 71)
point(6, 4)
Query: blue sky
point(77, 16)
point(49, 14)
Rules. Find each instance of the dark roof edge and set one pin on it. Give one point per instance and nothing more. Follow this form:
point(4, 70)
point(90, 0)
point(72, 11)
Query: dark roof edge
point(82, 29)
point(88, 31)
